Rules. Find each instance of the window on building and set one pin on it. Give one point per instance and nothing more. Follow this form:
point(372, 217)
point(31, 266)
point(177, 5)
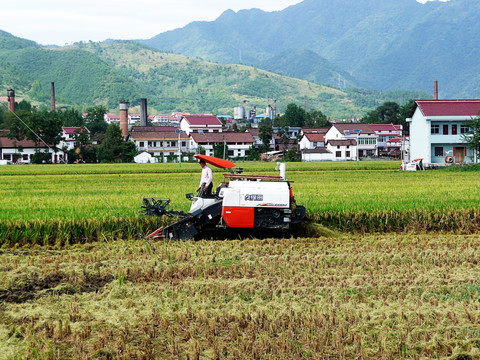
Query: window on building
point(141, 144)
point(347, 154)
point(338, 146)
point(338, 154)
point(435, 129)
point(464, 129)
point(7, 157)
point(454, 129)
point(438, 150)
point(149, 143)
point(25, 156)
point(445, 129)
point(230, 152)
point(184, 143)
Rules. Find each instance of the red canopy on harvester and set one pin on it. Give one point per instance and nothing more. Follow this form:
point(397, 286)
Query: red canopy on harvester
point(219, 163)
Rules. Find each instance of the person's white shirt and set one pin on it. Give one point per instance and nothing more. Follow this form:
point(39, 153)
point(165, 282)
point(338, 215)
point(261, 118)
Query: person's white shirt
point(207, 176)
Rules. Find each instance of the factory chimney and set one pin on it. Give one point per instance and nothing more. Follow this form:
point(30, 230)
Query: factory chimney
point(435, 90)
point(143, 112)
point(52, 97)
point(124, 118)
point(11, 100)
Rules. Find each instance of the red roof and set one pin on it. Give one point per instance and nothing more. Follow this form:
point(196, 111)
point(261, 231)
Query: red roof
point(315, 137)
point(345, 142)
point(70, 130)
point(203, 120)
point(306, 130)
point(5, 142)
point(353, 127)
point(229, 137)
point(448, 107)
point(153, 128)
point(383, 127)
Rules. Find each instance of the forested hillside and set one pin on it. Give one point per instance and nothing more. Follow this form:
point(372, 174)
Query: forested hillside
point(381, 44)
point(88, 74)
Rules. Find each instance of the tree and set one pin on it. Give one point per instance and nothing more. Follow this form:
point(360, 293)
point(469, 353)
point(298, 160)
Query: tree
point(388, 112)
point(404, 114)
point(265, 133)
point(472, 136)
point(41, 127)
point(95, 120)
point(294, 115)
point(113, 148)
point(72, 117)
point(219, 149)
point(316, 119)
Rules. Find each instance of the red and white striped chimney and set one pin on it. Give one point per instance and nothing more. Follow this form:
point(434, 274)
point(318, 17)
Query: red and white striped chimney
point(124, 118)
point(435, 90)
point(11, 100)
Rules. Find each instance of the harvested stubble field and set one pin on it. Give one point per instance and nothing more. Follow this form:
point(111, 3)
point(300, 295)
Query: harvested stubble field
point(362, 297)
point(76, 284)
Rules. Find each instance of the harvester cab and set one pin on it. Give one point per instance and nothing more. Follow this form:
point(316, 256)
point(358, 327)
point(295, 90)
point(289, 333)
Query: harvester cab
point(243, 202)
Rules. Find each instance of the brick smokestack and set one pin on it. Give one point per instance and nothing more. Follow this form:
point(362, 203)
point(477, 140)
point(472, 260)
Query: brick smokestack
point(52, 97)
point(124, 118)
point(143, 112)
point(435, 90)
point(11, 100)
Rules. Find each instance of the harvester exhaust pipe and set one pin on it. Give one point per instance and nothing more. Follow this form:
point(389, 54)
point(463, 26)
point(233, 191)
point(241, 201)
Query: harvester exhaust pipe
point(282, 167)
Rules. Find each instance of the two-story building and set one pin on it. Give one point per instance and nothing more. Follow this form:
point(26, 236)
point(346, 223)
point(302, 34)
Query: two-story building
point(365, 138)
point(236, 144)
point(69, 136)
point(437, 128)
point(386, 133)
point(159, 141)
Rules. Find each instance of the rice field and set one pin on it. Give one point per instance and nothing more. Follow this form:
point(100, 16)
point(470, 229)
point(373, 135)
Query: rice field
point(351, 297)
point(81, 203)
point(397, 277)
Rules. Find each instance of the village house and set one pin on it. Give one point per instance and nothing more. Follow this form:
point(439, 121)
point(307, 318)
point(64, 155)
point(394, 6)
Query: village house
point(312, 141)
point(200, 123)
point(365, 138)
point(236, 144)
point(386, 133)
point(22, 151)
point(69, 136)
point(159, 141)
point(343, 149)
point(112, 118)
point(437, 129)
point(317, 154)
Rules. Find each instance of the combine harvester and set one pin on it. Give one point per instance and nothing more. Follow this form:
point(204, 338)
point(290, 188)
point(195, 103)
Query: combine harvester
point(242, 203)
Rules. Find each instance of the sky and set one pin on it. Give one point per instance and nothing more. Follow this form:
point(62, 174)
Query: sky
point(61, 22)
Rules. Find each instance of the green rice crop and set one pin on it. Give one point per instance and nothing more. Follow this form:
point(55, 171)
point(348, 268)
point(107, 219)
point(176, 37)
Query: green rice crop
point(341, 196)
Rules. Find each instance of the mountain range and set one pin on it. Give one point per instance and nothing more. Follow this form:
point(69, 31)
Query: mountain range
point(379, 44)
point(88, 74)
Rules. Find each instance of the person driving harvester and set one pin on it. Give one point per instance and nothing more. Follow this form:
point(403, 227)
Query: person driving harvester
point(207, 179)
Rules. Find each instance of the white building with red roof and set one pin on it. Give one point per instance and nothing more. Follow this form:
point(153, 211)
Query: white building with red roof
point(200, 123)
point(112, 118)
point(22, 151)
point(366, 139)
point(69, 135)
point(436, 129)
point(236, 144)
point(312, 141)
point(159, 141)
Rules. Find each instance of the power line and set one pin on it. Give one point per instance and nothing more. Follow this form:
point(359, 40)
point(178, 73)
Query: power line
point(83, 179)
